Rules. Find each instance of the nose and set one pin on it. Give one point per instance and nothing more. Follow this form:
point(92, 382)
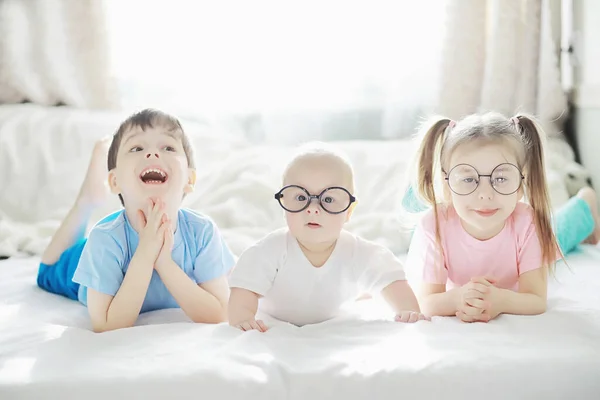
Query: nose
point(151, 154)
point(485, 190)
point(313, 207)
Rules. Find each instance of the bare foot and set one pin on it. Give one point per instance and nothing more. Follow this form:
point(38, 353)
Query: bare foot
point(588, 195)
point(94, 189)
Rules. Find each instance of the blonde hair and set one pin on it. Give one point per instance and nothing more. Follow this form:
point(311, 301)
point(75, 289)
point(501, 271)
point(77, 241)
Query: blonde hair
point(442, 136)
point(319, 151)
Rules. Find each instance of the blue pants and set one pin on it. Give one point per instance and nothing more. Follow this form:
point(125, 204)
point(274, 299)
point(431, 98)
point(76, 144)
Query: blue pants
point(573, 223)
point(58, 278)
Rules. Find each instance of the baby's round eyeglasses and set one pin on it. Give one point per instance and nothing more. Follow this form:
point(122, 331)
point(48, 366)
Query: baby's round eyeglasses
point(334, 200)
point(505, 179)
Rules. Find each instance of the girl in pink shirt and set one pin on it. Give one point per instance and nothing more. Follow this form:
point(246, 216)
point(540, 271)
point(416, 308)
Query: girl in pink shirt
point(480, 251)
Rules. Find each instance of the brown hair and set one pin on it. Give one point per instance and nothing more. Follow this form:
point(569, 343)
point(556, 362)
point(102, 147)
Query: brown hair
point(441, 137)
point(148, 118)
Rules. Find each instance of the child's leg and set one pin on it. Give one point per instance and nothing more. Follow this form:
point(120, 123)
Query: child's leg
point(60, 259)
point(589, 196)
point(92, 193)
point(577, 221)
point(411, 202)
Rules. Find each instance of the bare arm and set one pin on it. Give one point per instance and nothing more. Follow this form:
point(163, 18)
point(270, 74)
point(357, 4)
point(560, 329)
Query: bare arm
point(531, 299)
point(435, 300)
point(203, 303)
point(121, 311)
point(243, 305)
point(400, 297)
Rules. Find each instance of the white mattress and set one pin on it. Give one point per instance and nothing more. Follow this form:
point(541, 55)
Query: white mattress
point(47, 351)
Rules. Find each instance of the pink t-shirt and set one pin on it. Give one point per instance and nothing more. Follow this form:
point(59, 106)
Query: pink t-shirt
point(515, 250)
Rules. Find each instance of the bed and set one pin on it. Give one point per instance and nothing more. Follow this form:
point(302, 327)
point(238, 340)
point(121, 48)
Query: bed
point(48, 351)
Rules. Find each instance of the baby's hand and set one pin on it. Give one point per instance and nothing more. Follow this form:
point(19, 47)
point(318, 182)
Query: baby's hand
point(411, 316)
point(251, 324)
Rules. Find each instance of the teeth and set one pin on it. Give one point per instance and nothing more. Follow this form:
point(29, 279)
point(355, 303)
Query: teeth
point(153, 170)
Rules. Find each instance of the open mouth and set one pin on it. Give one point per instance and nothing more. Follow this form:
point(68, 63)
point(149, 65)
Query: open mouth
point(153, 176)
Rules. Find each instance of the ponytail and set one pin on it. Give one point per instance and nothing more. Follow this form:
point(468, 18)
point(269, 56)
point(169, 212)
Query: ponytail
point(428, 156)
point(428, 159)
point(537, 188)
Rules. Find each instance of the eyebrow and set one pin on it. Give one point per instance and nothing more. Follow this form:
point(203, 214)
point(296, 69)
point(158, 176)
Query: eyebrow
point(465, 168)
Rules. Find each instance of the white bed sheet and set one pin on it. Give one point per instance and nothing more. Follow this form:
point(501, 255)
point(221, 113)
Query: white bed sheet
point(47, 351)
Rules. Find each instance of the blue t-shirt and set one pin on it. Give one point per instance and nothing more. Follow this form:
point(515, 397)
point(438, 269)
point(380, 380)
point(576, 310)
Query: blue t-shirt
point(198, 249)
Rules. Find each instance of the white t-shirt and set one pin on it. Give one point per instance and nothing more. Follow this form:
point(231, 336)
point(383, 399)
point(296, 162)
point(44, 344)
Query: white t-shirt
point(295, 291)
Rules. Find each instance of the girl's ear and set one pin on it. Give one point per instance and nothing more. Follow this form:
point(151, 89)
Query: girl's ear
point(521, 193)
point(446, 192)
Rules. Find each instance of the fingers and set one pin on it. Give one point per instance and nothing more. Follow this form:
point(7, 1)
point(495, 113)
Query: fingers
point(262, 325)
point(477, 303)
point(464, 317)
point(169, 232)
point(155, 214)
point(244, 326)
point(162, 232)
point(149, 206)
point(141, 218)
point(252, 325)
point(403, 317)
point(477, 287)
point(167, 235)
point(484, 280)
point(485, 317)
point(472, 318)
point(411, 317)
point(471, 311)
point(423, 317)
point(473, 294)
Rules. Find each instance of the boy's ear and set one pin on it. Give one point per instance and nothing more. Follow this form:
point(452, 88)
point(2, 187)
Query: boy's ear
point(189, 188)
point(112, 182)
point(351, 210)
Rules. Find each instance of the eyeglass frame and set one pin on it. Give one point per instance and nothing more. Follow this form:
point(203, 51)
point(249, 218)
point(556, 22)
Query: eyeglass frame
point(279, 195)
point(479, 176)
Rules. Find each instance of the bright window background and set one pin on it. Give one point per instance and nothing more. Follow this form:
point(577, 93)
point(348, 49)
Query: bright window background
point(281, 60)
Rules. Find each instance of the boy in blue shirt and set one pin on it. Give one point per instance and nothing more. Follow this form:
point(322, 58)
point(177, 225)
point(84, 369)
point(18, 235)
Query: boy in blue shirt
point(152, 254)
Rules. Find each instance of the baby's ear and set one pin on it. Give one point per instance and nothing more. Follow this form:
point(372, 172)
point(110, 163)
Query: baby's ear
point(189, 187)
point(112, 182)
point(351, 210)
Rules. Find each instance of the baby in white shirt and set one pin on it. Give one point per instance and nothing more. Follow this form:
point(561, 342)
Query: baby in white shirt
point(306, 272)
